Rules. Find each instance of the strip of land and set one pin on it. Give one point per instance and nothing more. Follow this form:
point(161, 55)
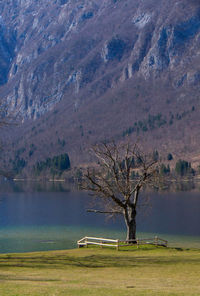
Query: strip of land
point(148, 271)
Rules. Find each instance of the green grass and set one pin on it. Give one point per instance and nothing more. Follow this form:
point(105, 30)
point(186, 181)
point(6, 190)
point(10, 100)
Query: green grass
point(95, 271)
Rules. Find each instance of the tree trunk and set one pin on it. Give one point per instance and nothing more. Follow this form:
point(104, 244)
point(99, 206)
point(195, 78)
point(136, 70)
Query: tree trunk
point(130, 219)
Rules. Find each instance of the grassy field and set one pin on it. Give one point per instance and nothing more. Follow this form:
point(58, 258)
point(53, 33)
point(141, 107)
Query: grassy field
point(102, 272)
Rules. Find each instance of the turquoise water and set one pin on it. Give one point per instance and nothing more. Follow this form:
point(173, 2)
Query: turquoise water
point(55, 217)
point(28, 239)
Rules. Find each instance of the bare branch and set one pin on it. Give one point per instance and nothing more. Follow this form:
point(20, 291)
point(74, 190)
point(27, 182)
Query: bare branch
point(103, 212)
point(101, 188)
point(121, 173)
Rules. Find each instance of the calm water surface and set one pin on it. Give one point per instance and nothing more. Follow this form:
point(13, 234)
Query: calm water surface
point(36, 217)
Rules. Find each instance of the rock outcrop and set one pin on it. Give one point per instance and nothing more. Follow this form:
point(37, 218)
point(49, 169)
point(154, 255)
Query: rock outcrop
point(50, 50)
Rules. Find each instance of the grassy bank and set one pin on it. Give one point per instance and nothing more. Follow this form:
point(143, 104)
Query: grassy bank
point(147, 271)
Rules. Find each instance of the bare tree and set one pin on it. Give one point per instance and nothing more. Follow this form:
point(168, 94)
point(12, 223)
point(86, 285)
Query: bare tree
point(120, 174)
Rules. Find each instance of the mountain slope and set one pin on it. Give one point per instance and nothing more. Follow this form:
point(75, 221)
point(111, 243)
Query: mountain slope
point(77, 72)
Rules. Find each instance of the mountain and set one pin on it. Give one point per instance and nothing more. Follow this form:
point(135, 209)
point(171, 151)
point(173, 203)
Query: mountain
point(73, 73)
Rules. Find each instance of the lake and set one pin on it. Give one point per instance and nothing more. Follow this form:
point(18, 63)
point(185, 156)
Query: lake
point(51, 216)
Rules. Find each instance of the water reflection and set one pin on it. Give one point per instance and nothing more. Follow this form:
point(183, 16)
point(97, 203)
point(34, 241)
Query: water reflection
point(21, 185)
point(35, 186)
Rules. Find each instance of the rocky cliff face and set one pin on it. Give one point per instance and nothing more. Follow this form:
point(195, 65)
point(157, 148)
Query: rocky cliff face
point(96, 61)
point(54, 49)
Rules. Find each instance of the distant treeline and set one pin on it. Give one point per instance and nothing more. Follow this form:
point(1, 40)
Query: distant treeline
point(60, 163)
point(57, 164)
point(182, 167)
